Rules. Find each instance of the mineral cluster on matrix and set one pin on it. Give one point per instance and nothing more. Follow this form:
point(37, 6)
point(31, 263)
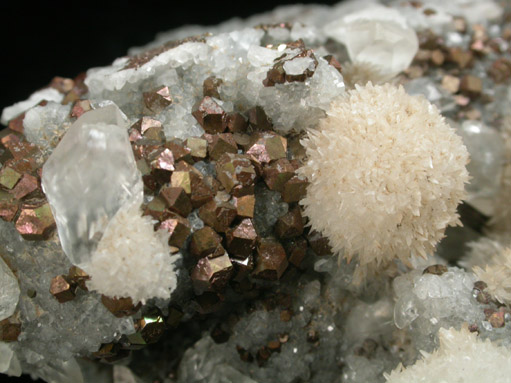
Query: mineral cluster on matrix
point(317, 194)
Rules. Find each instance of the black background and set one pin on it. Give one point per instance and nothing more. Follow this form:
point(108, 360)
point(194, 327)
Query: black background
point(63, 38)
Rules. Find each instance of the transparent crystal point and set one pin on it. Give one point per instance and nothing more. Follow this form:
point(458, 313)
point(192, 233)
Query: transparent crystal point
point(89, 176)
point(9, 291)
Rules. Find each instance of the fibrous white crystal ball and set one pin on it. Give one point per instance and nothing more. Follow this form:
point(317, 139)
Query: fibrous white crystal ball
point(461, 357)
point(386, 174)
point(376, 35)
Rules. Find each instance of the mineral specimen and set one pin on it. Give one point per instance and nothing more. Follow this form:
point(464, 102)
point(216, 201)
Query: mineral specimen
point(10, 291)
point(221, 199)
point(88, 178)
point(472, 357)
point(361, 158)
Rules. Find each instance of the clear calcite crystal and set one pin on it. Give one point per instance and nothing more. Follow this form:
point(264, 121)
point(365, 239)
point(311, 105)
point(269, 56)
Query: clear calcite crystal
point(9, 291)
point(376, 35)
point(89, 176)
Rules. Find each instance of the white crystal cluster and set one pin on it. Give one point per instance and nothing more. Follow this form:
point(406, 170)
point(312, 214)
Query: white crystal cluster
point(131, 260)
point(461, 357)
point(386, 175)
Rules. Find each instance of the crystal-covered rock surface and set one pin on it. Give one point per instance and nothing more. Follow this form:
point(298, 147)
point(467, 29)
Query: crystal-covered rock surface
point(88, 178)
point(175, 180)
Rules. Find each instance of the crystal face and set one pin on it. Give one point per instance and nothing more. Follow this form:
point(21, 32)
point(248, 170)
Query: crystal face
point(9, 291)
point(377, 35)
point(217, 260)
point(486, 148)
point(89, 176)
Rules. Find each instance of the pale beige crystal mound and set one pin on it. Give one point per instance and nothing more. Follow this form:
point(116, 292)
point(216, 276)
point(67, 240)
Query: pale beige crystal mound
point(132, 260)
point(386, 174)
point(461, 357)
point(497, 275)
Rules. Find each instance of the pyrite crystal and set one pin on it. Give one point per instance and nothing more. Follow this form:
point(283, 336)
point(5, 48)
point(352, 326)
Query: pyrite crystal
point(181, 169)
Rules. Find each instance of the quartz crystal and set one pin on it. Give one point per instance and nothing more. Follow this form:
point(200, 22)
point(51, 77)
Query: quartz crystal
point(88, 178)
point(9, 291)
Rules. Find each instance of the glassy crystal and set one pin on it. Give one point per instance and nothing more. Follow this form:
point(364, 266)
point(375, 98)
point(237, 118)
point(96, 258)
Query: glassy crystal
point(486, 150)
point(377, 35)
point(90, 175)
point(9, 291)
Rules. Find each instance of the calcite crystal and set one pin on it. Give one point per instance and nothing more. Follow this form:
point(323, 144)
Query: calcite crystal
point(473, 358)
point(377, 36)
point(88, 178)
point(244, 203)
